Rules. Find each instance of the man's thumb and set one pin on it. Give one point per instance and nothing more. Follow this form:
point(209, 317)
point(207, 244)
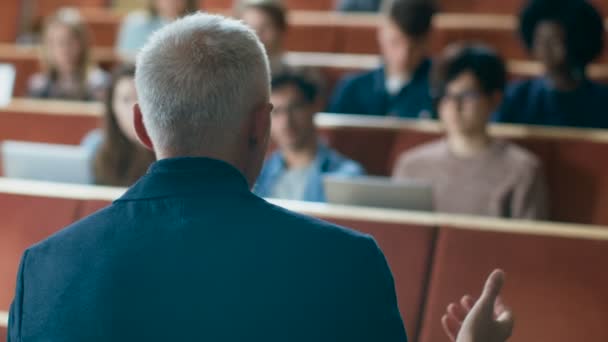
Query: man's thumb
point(492, 288)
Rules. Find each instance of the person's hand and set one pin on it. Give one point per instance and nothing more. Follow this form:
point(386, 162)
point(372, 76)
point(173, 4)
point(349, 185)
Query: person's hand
point(485, 320)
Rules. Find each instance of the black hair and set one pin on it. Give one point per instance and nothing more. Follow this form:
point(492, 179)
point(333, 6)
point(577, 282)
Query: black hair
point(273, 9)
point(581, 22)
point(489, 68)
point(307, 88)
point(414, 17)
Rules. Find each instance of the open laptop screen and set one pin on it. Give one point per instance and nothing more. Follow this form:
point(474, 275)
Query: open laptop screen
point(7, 83)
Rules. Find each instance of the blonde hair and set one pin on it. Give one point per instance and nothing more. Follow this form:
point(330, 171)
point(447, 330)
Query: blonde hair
point(70, 18)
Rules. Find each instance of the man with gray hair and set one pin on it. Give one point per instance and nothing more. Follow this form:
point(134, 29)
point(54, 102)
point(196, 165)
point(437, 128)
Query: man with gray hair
point(189, 253)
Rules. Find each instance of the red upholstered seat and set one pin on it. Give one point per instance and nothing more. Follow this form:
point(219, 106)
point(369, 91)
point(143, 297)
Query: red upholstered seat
point(370, 147)
point(556, 286)
point(9, 17)
point(89, 207)
point(408, 250)
point(40, 127)
point(25, 221)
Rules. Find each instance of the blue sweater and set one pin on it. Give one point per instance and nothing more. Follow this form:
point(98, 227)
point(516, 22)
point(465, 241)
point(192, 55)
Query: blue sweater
point(366, 94)
point(536, 102)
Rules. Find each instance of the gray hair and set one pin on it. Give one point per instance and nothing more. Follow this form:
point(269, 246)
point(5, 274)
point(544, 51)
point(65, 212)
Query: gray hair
point(197, 79)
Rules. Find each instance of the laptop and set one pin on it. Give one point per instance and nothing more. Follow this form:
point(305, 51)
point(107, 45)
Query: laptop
point(381, 192)
point(46, 162)
point(7, 83)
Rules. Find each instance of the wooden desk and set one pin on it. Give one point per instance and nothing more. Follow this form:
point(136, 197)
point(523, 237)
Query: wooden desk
point(449, 6)
point(60, 122)
point(572, 158)
point(356, 33)
point(567, 154)
point(552, 269)
point(10, 12)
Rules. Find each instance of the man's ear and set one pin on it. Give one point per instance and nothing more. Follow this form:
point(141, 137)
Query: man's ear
point(259, 130)
point(140, 129)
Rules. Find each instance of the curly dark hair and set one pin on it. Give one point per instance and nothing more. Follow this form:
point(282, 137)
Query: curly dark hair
point(414, 17)
point(581, 22)
point(489, 68)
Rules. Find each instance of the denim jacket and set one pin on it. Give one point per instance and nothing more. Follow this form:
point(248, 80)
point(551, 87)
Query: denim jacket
point(327, 162)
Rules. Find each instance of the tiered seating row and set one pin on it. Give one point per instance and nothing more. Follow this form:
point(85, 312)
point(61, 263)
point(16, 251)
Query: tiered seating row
point(553, 283)
point(332, 66)
point(568, 154)
point(356, 33)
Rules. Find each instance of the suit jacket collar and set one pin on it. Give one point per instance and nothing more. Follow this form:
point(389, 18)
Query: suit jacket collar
point(176, 177)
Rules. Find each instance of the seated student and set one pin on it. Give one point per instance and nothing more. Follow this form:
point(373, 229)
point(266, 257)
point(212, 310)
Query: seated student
point(565, 36)
point(359, 5)
point(65, 58)
point(471, 172)
point(117, 157)
point(296, 170)
point(400, 87)
point(139, 25)
point(268, 19)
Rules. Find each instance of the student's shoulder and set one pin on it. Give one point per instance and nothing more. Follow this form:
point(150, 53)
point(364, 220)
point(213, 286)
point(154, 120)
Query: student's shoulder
point(523, 88)
point(520, 159)
point(38, 81)
point(360, 79)
point(425, 153)
point(341, 164)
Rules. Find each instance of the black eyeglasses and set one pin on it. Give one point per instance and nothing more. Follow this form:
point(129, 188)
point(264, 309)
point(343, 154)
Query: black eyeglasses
point(467, 96)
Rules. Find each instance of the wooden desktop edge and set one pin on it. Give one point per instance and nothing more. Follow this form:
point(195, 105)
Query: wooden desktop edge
point(329, 120)
point(307, 59)
point(330, 211)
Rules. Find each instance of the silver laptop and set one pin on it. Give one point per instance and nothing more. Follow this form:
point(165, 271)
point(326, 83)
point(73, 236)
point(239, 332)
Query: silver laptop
point(379, 192)
point(7, 83)
point(46, 162)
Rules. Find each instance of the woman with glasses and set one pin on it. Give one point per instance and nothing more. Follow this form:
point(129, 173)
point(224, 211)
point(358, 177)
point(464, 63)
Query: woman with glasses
point(471, 172)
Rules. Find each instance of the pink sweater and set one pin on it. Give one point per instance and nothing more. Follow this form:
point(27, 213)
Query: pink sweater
point(505, 181)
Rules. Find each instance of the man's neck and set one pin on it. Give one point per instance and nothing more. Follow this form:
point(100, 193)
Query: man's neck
point(469, 146)
point(301, 157)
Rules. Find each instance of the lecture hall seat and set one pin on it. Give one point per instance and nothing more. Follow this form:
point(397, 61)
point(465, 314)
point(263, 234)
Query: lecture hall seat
point(9, 17)
point(57, 122)
point(556, 286)
point(408, 249)
point(25, 221)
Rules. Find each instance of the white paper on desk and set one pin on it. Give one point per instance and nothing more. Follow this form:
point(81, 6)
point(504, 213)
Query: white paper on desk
point(7, 82)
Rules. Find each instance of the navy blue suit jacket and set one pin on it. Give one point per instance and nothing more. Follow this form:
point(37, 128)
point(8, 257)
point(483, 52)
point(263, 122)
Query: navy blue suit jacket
point(190, 254)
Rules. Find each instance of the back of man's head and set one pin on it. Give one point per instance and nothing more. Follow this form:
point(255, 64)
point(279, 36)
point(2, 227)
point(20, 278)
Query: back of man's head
point(198, 79)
